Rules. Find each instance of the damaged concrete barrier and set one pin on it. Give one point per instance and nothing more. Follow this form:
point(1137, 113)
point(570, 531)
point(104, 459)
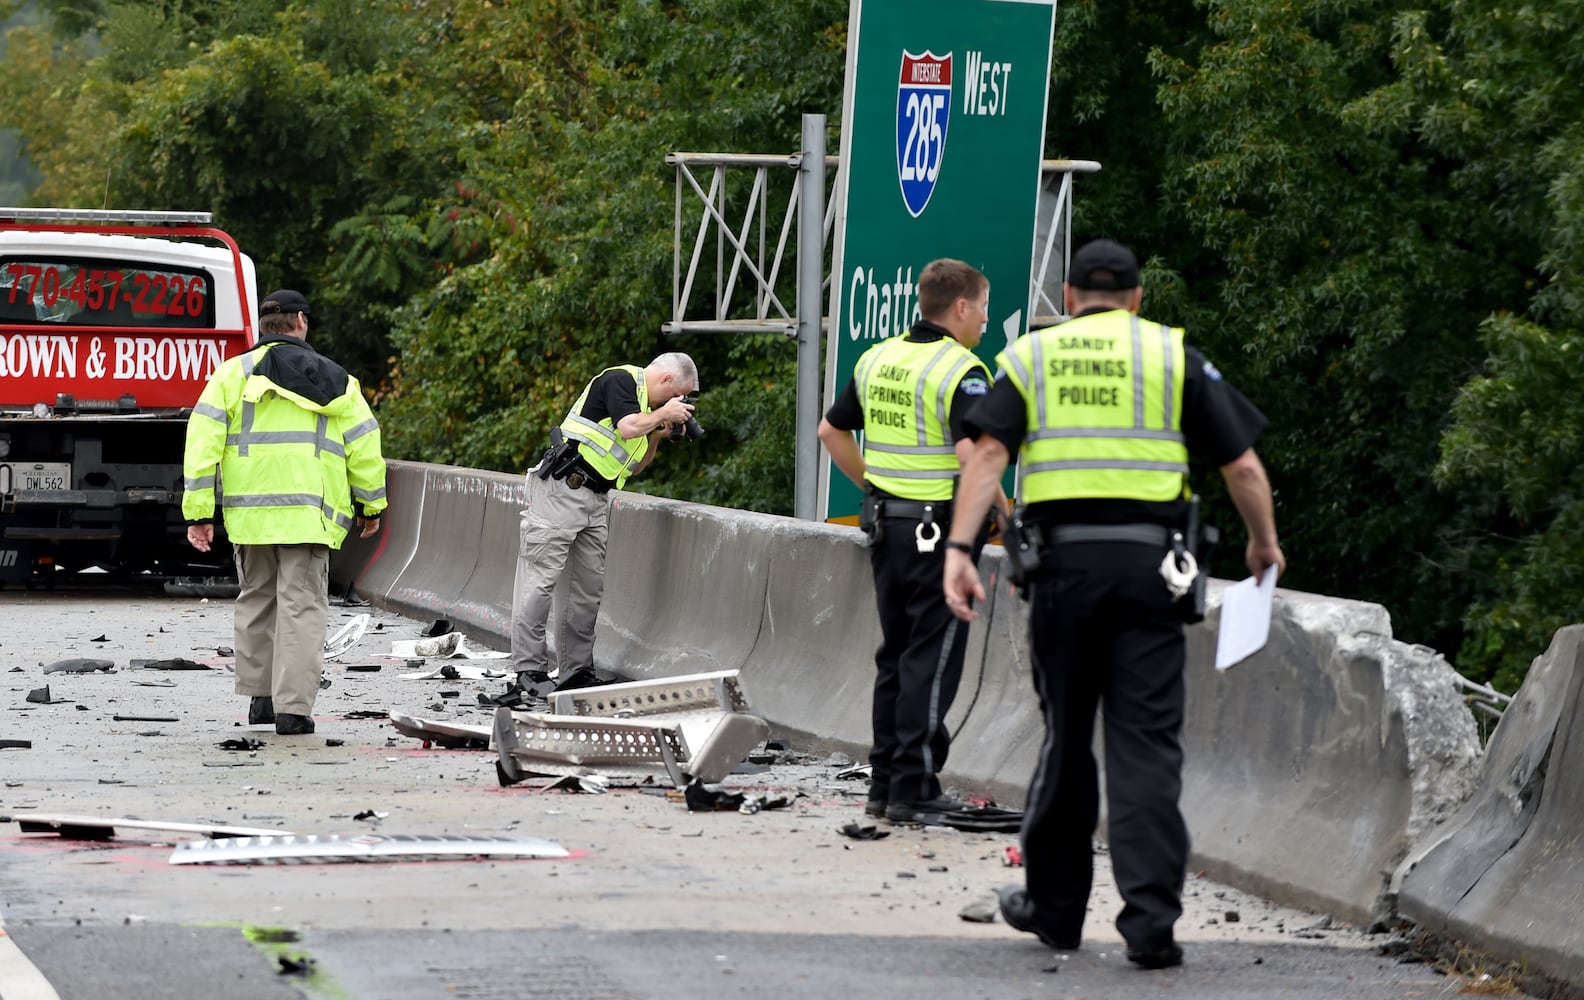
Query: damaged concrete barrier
point(1314, 765)
point(1506, 873)
point(450, 538)
point(373, 565)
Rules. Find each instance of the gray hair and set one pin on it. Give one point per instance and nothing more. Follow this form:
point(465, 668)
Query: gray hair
point(679, 365)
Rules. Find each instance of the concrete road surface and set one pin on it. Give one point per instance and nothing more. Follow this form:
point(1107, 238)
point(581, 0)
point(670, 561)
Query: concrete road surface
point(654, 902)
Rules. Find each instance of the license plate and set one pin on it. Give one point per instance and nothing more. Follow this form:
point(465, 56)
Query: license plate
point(35, 476)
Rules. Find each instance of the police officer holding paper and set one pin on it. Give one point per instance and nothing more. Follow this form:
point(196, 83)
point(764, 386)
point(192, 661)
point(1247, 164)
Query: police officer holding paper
point(908, 395)
point(1103, 412)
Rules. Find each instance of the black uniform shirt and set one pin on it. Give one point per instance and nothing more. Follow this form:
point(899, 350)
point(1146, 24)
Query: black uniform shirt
point(1218, 424)
point(848, 414)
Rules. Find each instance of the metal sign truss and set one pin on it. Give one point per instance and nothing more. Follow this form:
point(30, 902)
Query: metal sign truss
point(744, 256)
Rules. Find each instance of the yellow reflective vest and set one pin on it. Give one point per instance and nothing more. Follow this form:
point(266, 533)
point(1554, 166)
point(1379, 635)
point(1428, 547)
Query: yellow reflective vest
point(599, 443)
point(905, 388)
point(1104, 402)
point(284, 468)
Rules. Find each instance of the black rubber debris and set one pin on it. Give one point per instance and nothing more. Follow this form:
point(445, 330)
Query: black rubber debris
point(78, 665)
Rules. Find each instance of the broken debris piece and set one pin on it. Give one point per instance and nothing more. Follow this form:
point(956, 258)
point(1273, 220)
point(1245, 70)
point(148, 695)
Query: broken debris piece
point(859, 831)
point(78, 665)
point(174, 663)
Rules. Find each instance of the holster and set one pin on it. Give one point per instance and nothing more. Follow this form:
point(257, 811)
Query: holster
point(559, 459)
point(1022, 543)
point(869, 518)
point(1202, 540)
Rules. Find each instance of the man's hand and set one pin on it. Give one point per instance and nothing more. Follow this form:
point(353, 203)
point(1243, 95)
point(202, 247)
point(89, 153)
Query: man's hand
point(962, 584)
point(200, 536)
point(370, 525)
point(675, 411)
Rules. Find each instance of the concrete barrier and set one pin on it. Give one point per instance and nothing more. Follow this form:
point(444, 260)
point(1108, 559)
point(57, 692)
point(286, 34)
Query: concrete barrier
point(998, 745)
point(684, 588)
point(373, 565)
point(450, 537)
point(1311, 767)
point(484, 603)
point(1506, 873)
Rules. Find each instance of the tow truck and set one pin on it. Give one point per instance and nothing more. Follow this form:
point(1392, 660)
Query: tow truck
point(111, 323)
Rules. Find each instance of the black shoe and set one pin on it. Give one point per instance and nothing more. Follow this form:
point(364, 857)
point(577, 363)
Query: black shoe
point(287, 724)
point(875, 808)
point(261, 712)
point(1018, 913)
point(1160, 958)
point(930, 812)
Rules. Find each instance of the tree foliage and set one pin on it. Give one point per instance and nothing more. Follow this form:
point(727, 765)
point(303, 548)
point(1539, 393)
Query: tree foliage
point(1368, 213)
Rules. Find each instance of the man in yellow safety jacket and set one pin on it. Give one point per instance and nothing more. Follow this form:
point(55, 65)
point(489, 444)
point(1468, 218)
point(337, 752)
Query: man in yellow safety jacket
point(283, 437)
point(908, 395)
point(1103, 412)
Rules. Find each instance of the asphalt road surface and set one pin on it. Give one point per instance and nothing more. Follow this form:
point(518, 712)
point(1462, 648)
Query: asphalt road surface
point(654, 901)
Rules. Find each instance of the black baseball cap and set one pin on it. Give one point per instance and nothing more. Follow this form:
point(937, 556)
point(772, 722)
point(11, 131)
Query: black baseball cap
point(1103, 266)
point(284, 301)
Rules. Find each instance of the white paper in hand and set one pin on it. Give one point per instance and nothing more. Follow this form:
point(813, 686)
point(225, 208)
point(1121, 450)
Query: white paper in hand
point(1245, 618)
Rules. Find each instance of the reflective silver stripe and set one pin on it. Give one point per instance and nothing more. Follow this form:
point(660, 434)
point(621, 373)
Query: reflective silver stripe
point(201, 483)
point(250, 362)
point(1037, 380)
point(289, 500)
point(1138, 371)
point(1167, 385)
point(321, 435)
point(363, 494)
point(1101, 463)
point(243, 440)
point(912, 473)
point(1049, 433)
point(908, 449)
point(211, 411)
point(918, 389)
point(619, 453)
point(1015, 362)
point(273, 500)
point(368, 426)
point(947, 385)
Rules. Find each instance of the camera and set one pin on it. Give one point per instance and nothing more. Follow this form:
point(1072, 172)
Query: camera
point(690, 428)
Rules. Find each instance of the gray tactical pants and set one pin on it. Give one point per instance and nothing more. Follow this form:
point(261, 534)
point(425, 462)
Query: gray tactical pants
point(282, 608)
point(563, 542)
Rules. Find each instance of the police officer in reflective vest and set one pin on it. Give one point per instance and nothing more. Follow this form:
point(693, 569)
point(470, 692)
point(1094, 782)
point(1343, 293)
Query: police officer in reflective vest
point(609, 435)
point(908, 395)
point(1103, 412)
point(297, 452)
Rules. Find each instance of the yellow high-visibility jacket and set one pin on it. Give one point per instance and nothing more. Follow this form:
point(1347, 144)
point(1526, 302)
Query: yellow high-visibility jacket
point(284, 439)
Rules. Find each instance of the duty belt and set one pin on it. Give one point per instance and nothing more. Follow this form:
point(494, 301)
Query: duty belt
point(940, 510)
point(1143, 534)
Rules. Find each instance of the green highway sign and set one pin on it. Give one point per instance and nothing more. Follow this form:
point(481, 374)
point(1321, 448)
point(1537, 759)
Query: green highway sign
point(943, 132)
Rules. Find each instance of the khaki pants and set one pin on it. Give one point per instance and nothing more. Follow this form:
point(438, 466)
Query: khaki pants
point(563, 541)
point(281, 614)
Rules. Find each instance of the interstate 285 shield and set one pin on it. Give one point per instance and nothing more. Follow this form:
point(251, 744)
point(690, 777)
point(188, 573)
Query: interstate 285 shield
point(924, 104)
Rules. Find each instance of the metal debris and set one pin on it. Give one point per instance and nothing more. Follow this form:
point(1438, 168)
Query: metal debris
point(288, 849)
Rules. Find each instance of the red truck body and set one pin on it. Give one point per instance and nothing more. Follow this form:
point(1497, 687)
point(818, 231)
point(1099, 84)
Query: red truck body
point(110, 325)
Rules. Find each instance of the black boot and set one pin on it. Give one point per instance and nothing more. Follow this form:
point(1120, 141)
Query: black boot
point(261, 711)
point(287, 724)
